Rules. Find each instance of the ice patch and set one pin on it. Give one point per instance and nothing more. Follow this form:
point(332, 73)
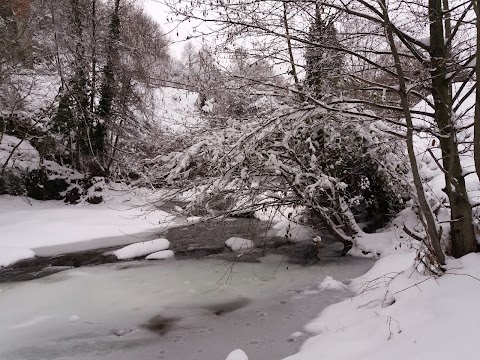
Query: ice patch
point(34, 321)
point(141, 249)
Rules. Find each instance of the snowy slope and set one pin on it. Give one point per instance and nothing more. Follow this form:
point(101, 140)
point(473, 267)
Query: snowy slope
point(24, 157)
point(176, 109)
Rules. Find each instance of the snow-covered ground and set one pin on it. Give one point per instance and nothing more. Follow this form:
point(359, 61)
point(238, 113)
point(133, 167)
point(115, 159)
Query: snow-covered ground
point(176, 109)
point(400, 314)
point(49, 227)
point(25, 156)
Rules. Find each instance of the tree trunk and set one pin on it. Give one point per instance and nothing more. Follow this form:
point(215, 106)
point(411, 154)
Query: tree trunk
point(108, 90)
point(462, 231)
point(78, 90)
point(476, 128)
point(431, 227)
point(94, 56)
point(293, 69)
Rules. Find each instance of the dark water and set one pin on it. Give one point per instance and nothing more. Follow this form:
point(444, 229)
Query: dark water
point(195, 241)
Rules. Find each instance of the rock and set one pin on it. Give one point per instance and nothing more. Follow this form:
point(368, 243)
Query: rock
point(73, 195)
point(40, 187)
point(161, 255)
point(94, 199)
point(295, 336)
point(121, 332)
point(238, 244)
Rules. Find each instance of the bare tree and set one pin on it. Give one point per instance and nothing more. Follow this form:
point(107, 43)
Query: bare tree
point(370, 32)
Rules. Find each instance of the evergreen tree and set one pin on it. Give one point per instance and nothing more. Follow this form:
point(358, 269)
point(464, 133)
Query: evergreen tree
point(107, 92)
point(323, 59)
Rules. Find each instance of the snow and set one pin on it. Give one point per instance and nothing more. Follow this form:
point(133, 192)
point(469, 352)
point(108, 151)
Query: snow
point(399, 313)
point(161, 255)
point(286, 224)
point(32, 322)
point(11, 254)
point(48, 228)
point(38, 91)
point(141, 249)
point(113, 301)
point(32, 224)
point(74, 318)
point(293, 231)
point(25, 157)
point(237, 354)
point(238, 244)
point(295, 336)
point(330, 283)
point(176, 109)
point(432, 174)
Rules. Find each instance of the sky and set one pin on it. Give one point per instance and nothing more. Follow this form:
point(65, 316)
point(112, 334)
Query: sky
point(159, 13)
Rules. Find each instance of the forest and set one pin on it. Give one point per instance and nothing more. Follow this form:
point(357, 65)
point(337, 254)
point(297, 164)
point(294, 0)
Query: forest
point(357, 120)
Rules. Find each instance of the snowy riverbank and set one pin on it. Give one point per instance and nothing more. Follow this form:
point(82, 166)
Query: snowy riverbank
point(401, 314)
point(28, 224)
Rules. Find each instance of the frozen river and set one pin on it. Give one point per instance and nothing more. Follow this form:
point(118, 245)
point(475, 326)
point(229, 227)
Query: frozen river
point(174, 310)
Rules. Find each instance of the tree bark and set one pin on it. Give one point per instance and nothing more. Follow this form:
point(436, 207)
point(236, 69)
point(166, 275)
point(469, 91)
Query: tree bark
point(431, 227)
point(476, 126)
point(462, 232)
point(293, 70)
point(94, 55)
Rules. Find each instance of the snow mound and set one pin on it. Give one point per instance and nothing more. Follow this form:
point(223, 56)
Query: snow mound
point(330, 283)
point(239, 244)
point(293, 231)
point(11, 254)
point(141, 249)
point(237, 355)
point(160, 255)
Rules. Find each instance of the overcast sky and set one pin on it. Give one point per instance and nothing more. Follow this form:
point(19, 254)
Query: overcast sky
point(159, 12)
